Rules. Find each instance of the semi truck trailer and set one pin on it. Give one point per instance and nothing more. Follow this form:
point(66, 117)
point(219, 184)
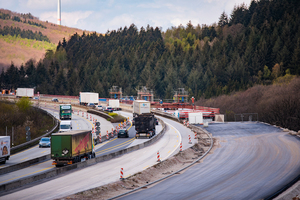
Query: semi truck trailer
point(25, 92)
point(145, 125)
point(114, 103)
point(140, 107)
point(4, 149)
point(71, 147)
point(88, 97)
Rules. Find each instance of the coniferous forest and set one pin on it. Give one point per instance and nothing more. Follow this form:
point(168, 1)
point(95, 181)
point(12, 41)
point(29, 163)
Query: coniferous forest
point(254, 45)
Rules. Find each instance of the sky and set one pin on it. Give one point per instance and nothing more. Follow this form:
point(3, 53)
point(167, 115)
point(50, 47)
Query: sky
point(104, 15)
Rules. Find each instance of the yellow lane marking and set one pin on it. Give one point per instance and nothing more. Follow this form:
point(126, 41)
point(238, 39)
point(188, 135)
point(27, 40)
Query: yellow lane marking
point(24, 150)
point(44, 151)
point(115, 147)
point(111, 140)
point(27, 174)
point(127, 176)
point(177, 141)
point(146, 167)
point(175, 144)
point(24, 158)
point(170, 151)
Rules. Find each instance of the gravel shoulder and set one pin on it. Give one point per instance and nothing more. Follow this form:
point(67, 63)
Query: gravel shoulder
point(153, 173)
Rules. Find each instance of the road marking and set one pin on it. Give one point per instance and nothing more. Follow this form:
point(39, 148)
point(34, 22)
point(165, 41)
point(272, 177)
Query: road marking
point(116, 146)
point(27, 174)
point(146, 167)
point(177, 141)
point(24, 158)
point(175, 144)
point(24, 151)
point(170, 151)
point(44, 151)
point(111, 140)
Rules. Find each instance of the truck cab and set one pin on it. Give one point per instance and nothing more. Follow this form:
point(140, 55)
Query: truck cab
point(65, 126)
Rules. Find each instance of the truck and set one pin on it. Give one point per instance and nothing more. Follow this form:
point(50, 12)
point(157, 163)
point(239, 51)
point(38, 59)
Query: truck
point(72, 147)
point(140, 107)
point(114, 103)
point(196, 118)
point(25, 92)
point(88, 97)
point(65, 126)
point(145, 125)
point(65, 111)
point(4, 149)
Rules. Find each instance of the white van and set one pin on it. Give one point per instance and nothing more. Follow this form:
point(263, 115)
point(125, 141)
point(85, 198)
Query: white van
point(65, 125)
point(99, 107)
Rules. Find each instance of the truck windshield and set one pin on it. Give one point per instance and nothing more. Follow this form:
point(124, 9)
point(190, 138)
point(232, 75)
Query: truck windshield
point(66, 111)
point(64, 126)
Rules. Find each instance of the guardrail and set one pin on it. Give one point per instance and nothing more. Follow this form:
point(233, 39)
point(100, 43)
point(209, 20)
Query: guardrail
point(31, 142)
point(194, 128)
point(57, 171)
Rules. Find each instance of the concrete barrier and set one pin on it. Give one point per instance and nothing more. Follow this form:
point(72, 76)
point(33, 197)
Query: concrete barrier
point(56, 171)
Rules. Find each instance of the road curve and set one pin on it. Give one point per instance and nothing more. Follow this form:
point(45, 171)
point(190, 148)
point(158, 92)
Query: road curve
point(253, 161)
point(105, 172)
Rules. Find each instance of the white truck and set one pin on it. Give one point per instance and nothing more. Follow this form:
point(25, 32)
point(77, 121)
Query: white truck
point(114, 103)
point(140, 107)
point(196, 118)
point(25, 92)
point(4, 148)
point(65, 126)
point(88, 97)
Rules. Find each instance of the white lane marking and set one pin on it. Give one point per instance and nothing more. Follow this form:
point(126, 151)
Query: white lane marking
point(177, 136)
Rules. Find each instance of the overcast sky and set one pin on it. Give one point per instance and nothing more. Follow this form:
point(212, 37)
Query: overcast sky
point(103, 15)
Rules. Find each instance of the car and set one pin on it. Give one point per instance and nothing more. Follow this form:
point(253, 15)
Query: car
point(92, 105)
point(99, 107)
point(54, 100)
point(109, 109)
point(156, 121)
point(133, 121)
point(123, 133)
point(44, 142)
point(36, 98)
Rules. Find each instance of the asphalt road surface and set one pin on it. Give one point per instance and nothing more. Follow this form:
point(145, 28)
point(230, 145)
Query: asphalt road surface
point(253, 161)
point(109, 171)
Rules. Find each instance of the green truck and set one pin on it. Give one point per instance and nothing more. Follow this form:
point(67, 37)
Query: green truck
point(71, 147)
point(65, 111)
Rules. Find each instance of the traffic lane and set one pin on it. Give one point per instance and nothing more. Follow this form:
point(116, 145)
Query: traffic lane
point(26, 172)
point(78, 123)
point(185, 133)
point(247, 165)
point(116, 144)
point(31, 153)
point(99, 174)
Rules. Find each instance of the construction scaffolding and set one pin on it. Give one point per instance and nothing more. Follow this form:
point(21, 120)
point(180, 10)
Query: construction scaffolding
point(145, 94)
point(115, 92)
point(181, 96)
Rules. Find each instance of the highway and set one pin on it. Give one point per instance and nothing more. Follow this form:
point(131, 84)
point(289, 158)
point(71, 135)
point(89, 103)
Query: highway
point(109, 171)
point(78, 123)
point(252, 161)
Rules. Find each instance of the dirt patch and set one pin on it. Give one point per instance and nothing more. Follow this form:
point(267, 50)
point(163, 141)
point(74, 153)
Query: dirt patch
point(158, 171)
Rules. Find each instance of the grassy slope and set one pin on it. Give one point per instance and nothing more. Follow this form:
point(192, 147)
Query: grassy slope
point(19, 50)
